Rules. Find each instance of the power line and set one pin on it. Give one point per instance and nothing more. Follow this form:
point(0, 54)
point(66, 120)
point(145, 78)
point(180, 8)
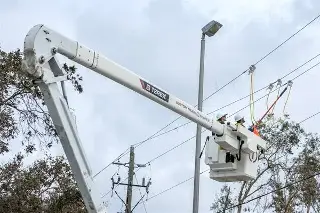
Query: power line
point(315, 114)
point(152, 136)
point(184, 181)
point(156, 195)
point(136, 145)
point(144, 206)
point(124, 180)
point(287, 39)
point(115, 187)
point(118, 158)
point(236, 101)
point(184, 124)
point(304, 72)
point(232, 80)
point(173, 148)
point(302, 121)
point(185, 141)
point(265, 56)
point(292, 71)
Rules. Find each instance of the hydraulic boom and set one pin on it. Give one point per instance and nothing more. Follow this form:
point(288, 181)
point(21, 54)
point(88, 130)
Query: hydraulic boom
point(40, 48)
point(42, 43)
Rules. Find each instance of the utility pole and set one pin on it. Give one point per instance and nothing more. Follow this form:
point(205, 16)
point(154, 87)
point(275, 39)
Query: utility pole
point(130, 180)
point(132, 166)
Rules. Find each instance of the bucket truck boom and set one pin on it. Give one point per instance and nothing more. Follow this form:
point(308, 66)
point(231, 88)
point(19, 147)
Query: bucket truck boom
point(41, 47)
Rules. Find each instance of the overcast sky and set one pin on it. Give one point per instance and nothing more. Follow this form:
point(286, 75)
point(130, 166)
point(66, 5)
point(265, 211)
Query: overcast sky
point(160, 41)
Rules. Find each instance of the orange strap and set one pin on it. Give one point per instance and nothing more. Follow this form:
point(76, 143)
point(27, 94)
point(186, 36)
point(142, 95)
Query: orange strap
point(255, 131)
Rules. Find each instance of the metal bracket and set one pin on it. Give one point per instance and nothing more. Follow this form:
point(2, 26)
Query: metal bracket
point(270, 87)
point(279, 82)
point(252, 68)
point(52, 80)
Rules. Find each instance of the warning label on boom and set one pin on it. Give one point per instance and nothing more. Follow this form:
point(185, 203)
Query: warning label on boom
point(154, 90)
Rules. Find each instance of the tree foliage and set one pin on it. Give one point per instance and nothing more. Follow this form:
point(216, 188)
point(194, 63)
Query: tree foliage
point(22, 108)
point(292, 154)
point(47, 186)
point(222, 203)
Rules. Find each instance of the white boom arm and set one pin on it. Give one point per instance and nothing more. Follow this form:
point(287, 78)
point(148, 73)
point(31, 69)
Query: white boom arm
point(41, 42)
point(40, 48)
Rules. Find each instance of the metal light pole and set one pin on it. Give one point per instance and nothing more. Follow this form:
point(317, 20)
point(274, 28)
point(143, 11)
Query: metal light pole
point(209, 30)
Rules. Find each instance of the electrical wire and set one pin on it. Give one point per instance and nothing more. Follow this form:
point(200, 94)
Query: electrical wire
point(184, 181)
point(172, 187)
point(302, 121)
point(264, 57)
point(113, 188)
point(230, 115)
point(259, 99)
point(313, 115)
point(144, 206)
point(123, 180)
point(307, 70)
point(118, 158)
point(173, 148)
point(141, 142)
point(232, 80)
point(185, 141)
point(238, 100)
point(269, 89)
point(244, 97)
point(279, 83)
point(251, 99)
point(180, 183)
point(286, 102)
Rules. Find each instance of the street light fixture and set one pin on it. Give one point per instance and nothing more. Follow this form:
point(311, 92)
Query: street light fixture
point(208, 30)
point(211, 28)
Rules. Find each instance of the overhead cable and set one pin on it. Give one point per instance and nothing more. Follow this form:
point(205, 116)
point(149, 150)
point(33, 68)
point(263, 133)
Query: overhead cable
point(232, 80)
point(184, 181)
point(265, 56)
point(184, 124)
point(144, 205)
point(236, 101)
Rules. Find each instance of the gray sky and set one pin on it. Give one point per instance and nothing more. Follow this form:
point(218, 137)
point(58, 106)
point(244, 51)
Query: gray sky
point(160, 40)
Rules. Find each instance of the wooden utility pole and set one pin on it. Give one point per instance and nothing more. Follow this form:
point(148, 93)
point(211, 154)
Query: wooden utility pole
point(132, 166)
point(130, 180)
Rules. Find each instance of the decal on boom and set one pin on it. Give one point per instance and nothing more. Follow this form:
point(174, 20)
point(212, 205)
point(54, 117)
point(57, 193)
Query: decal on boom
point(155, 91)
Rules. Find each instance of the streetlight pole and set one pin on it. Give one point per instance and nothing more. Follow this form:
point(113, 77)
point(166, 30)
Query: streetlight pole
point(196, 179)
point(210, 29)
